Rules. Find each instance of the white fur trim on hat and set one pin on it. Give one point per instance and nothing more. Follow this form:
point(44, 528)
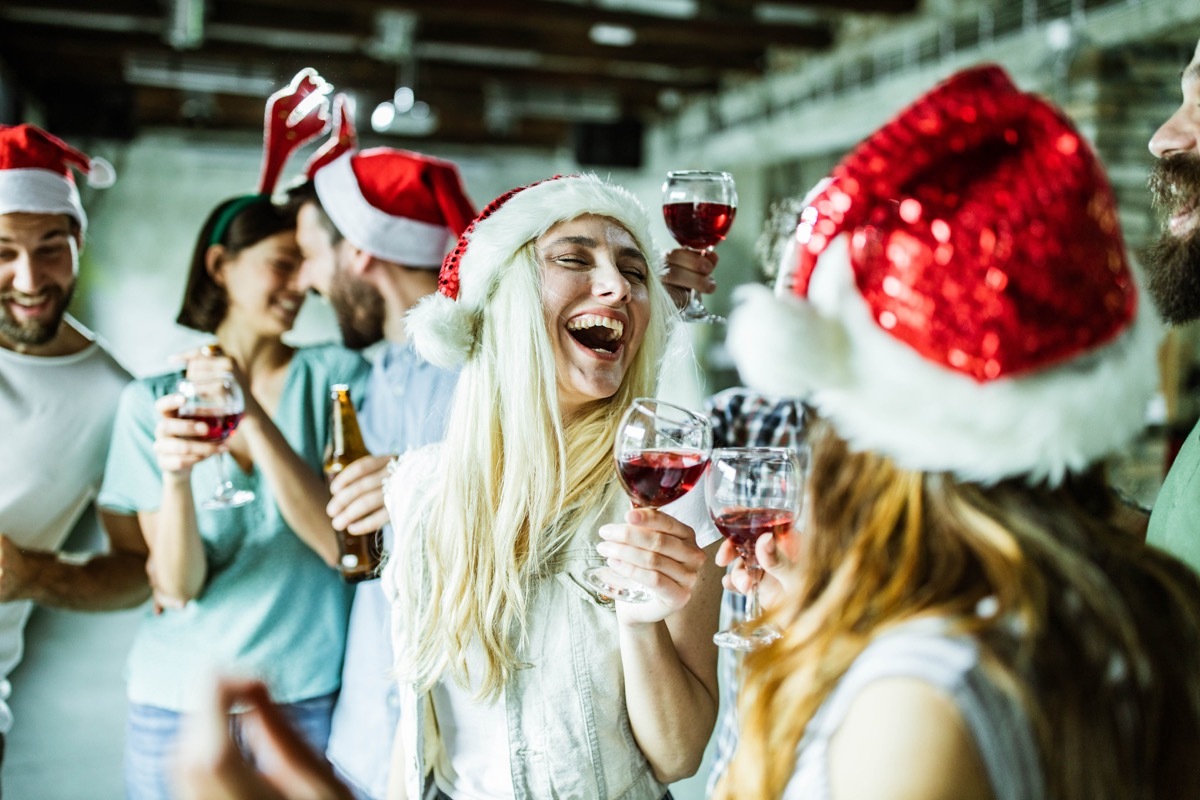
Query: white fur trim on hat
point(443, 330)
point(397, 239)
point(883, 396)
point(39, 191)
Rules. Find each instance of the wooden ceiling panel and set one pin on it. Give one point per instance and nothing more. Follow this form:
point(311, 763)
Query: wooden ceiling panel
point(464, 55)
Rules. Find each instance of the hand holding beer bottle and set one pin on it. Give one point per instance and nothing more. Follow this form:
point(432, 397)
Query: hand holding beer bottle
point(360, 555)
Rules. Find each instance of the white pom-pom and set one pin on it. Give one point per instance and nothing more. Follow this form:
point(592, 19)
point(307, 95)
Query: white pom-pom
point(442, 330)
point(101, 174)
point(784, 346)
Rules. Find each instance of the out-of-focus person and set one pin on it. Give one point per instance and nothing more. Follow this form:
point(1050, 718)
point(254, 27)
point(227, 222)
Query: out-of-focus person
point(961, 617)
point(249, 588)
point(58, 393)
point(373, 228)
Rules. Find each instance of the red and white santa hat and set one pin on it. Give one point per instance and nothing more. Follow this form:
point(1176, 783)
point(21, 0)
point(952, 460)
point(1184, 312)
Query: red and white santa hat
point(444, 326)
point(956, 294)
point(397, 205)
point(35, 173)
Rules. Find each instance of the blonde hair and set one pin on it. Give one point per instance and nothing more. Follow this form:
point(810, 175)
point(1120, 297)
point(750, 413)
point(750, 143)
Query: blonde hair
point(1094, 633)
point(514, 481)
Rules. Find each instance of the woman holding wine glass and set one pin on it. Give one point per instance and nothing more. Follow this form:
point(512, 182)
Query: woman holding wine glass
point(517, 676)
point(961, 616)
point(247, 583)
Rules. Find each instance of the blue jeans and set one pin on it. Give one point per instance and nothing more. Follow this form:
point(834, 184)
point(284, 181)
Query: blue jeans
point(152, 737)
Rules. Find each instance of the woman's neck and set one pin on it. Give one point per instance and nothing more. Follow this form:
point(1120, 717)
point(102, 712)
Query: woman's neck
point(252, 352)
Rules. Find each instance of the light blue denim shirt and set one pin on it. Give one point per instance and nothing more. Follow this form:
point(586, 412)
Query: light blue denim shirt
point(406, 406)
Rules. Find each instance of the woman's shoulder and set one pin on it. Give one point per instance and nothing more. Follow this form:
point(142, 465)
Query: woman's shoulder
point(152, 387)
point(918, 694)
point(414, 468)
point(332, 357)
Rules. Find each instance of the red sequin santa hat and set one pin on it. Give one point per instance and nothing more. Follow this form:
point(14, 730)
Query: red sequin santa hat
point(444, 326)
point(397, 205)
point(36, 177)
point(957, 296)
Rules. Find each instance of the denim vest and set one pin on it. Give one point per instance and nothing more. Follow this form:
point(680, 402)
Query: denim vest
point(568, 732)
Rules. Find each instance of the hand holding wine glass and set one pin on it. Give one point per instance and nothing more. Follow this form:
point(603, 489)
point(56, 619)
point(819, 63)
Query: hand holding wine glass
point(752, 491)
point(699, 207)
point(661, 453)
point(217, 402)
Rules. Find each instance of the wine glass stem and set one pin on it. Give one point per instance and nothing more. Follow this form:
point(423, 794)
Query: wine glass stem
point(752, 607)
point(222, 473)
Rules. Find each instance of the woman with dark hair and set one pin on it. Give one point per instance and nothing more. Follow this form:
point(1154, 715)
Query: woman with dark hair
point(249, 588)
point(961, 616)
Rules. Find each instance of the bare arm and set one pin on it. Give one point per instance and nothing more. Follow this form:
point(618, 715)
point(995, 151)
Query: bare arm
point(667, 653)
point(904, 740)
point(300, 492)
point(96, 582)
point(178, 566)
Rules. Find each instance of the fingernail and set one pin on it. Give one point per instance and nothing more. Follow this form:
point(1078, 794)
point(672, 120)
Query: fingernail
point(605, 549)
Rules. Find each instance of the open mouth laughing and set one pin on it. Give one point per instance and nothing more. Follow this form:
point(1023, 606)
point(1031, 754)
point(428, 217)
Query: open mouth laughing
point(601, 334)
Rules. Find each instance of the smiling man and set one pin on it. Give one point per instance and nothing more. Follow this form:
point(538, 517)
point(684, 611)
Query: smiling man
point(1173, 279)
point(373, 227)
point(58, 393)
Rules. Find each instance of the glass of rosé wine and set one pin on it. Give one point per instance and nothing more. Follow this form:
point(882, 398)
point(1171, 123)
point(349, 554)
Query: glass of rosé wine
point(751, 491)
point(699, 207)
point(216, 401)
point(661, 453)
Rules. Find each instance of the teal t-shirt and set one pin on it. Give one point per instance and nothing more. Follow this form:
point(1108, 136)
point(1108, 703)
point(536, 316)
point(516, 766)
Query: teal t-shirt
point(271, 607)
point(1175, 521)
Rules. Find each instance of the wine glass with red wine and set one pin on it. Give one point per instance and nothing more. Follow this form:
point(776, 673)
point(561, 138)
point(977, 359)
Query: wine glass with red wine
point(699, 207)
point(217, 402)
point(751, 491)
point(661, 452)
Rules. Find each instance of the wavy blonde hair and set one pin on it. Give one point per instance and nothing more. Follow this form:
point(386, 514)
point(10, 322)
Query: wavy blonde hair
point(1075, 597)
point(513, 478)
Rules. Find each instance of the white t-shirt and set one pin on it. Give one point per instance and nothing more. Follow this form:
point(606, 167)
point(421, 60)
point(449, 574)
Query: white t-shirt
point(56, 416)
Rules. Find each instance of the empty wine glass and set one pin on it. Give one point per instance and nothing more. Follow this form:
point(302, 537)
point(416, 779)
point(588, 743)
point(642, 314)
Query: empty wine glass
point(216, 401)
point(661, 452)
point(751, 491)
point(699, 207)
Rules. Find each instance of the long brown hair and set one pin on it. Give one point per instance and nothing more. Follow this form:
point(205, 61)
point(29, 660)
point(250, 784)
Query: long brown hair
point(1096, 634)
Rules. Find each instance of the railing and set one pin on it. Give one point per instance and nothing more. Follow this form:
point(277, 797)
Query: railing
point(838, 77)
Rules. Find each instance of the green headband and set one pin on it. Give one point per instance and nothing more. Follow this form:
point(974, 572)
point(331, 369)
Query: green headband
point(225, 218)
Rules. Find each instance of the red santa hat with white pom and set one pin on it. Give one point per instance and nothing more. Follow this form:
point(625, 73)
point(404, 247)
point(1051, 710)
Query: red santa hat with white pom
point(444, 326)
point(956, 294)
point(36, 177)
point(397, 205)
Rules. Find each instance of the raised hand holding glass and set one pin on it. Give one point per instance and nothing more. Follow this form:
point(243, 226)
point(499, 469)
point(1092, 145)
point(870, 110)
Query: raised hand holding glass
point(751, 491)
point(699, 207)
point(661, 453)
point(216, 401)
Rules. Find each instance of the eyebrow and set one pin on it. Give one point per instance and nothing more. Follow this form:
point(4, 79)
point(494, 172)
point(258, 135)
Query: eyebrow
point(47, 236)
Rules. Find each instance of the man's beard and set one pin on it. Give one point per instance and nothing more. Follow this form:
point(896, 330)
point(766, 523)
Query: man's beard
point(359, 309)
point(1173, 262)
point(35, 332)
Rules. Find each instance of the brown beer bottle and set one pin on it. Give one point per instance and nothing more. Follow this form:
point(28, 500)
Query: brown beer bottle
point(360, 555)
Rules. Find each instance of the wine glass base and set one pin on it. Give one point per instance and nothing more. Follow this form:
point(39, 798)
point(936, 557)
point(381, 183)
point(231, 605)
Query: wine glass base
point(745, 641)
point(233, 499)
point(609, 583)
point(695, 311)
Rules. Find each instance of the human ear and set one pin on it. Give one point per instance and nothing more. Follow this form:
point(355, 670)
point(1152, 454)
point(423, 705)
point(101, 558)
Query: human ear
point(214, 259)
